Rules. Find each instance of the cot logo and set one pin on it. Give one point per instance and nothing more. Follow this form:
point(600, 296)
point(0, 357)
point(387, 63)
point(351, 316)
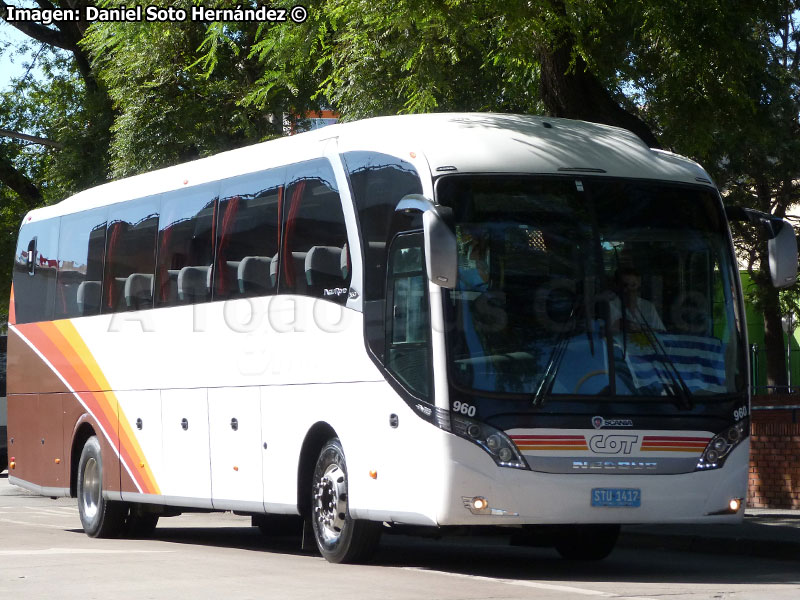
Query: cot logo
point(613, 444)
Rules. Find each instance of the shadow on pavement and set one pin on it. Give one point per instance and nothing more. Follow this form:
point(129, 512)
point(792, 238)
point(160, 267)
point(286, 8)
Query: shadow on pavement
point(492, 557)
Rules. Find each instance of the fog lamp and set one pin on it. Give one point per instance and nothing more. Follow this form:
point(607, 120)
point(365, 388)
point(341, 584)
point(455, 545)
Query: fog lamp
point(735, 504)
point(480, 503)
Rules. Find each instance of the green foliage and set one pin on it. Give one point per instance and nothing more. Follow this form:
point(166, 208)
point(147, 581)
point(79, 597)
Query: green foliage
point(176, 89)
point(10, 210)
point(715, 80)
point(57, 107)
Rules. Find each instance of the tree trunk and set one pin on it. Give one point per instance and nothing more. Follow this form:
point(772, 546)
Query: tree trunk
point(18, 182)
point(574, 92)
point(64, 34)
point(774, 347)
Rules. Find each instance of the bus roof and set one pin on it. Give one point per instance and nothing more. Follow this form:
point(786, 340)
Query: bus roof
point(450, 142)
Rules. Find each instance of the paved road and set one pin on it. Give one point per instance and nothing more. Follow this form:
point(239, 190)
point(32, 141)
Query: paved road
point(44, 554)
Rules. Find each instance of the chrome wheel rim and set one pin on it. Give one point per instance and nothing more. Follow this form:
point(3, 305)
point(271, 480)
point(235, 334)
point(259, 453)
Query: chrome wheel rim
point(90, 491)
point(330, 503)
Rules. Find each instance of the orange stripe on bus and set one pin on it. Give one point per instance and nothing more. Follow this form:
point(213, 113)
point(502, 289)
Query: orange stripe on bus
point(61, 344)
point(584, 447)
point(547, 437)
point(659, 438)
point(12, 309)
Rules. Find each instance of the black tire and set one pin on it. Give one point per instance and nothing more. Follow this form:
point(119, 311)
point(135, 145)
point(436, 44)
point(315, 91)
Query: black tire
point(339, 537)
point(3, 460)
point(100, 518)
point(141, 521)
point(586, 542)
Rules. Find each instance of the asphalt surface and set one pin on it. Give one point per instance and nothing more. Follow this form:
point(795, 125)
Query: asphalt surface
point(765, 532)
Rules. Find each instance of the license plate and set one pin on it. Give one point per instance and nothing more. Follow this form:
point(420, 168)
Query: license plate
point(616, 497)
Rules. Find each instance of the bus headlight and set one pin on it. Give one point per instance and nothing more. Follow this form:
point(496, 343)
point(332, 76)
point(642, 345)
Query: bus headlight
point(496, 443)
point(721, 445)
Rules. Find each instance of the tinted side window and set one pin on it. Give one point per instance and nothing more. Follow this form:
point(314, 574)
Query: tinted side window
point(130, 255)
point(315, 258)
point(248, 232)
point(35, 265)
point(408, 332)
point(379, 182)
point(81, 248)
point(186, 246)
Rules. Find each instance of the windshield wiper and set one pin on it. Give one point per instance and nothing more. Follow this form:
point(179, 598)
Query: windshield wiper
point(678, 388)
point(556, 356)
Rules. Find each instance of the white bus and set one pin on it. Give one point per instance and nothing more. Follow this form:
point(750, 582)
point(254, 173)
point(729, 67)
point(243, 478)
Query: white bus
point(446, 320)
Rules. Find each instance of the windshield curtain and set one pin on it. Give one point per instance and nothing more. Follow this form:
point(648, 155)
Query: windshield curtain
point(591, 287)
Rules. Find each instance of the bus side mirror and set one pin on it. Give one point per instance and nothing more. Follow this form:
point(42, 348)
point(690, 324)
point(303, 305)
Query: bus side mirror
point(781, 244)
point(782, 254)
point(441, 250)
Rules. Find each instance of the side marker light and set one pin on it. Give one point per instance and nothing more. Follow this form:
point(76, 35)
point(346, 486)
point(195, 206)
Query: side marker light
point(373, 474)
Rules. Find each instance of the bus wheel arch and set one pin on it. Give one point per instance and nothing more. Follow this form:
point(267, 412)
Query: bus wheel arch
point(317, 436)
point(83, 431)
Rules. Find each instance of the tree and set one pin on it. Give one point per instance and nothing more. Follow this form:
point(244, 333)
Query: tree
point(728, 94)
point(82, 161)
point(715, 80)
point(172, 106)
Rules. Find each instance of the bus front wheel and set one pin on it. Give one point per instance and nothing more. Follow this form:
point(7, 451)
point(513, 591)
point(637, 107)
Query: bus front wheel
point(339, 537)
point(586, 542)
point(100, 517)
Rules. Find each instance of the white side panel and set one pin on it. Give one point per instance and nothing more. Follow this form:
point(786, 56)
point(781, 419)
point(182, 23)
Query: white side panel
point(234, 416)
point(187, 471)
point(142, 411)
point(244, 342)
point(406, 461)
point(287, 413)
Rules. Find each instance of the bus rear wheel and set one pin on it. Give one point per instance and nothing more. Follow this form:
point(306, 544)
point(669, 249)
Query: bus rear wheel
point(339, 537)
point(140, 522)
point(586, 542)
point(100, 517)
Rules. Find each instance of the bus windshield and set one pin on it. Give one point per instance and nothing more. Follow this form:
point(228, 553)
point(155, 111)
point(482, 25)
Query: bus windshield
point(591, 286)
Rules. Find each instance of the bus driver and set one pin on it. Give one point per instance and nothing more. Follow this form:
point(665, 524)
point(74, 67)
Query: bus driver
point(639, 313)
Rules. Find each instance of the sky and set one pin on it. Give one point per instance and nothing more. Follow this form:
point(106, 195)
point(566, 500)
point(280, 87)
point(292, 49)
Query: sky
point(9, 69)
